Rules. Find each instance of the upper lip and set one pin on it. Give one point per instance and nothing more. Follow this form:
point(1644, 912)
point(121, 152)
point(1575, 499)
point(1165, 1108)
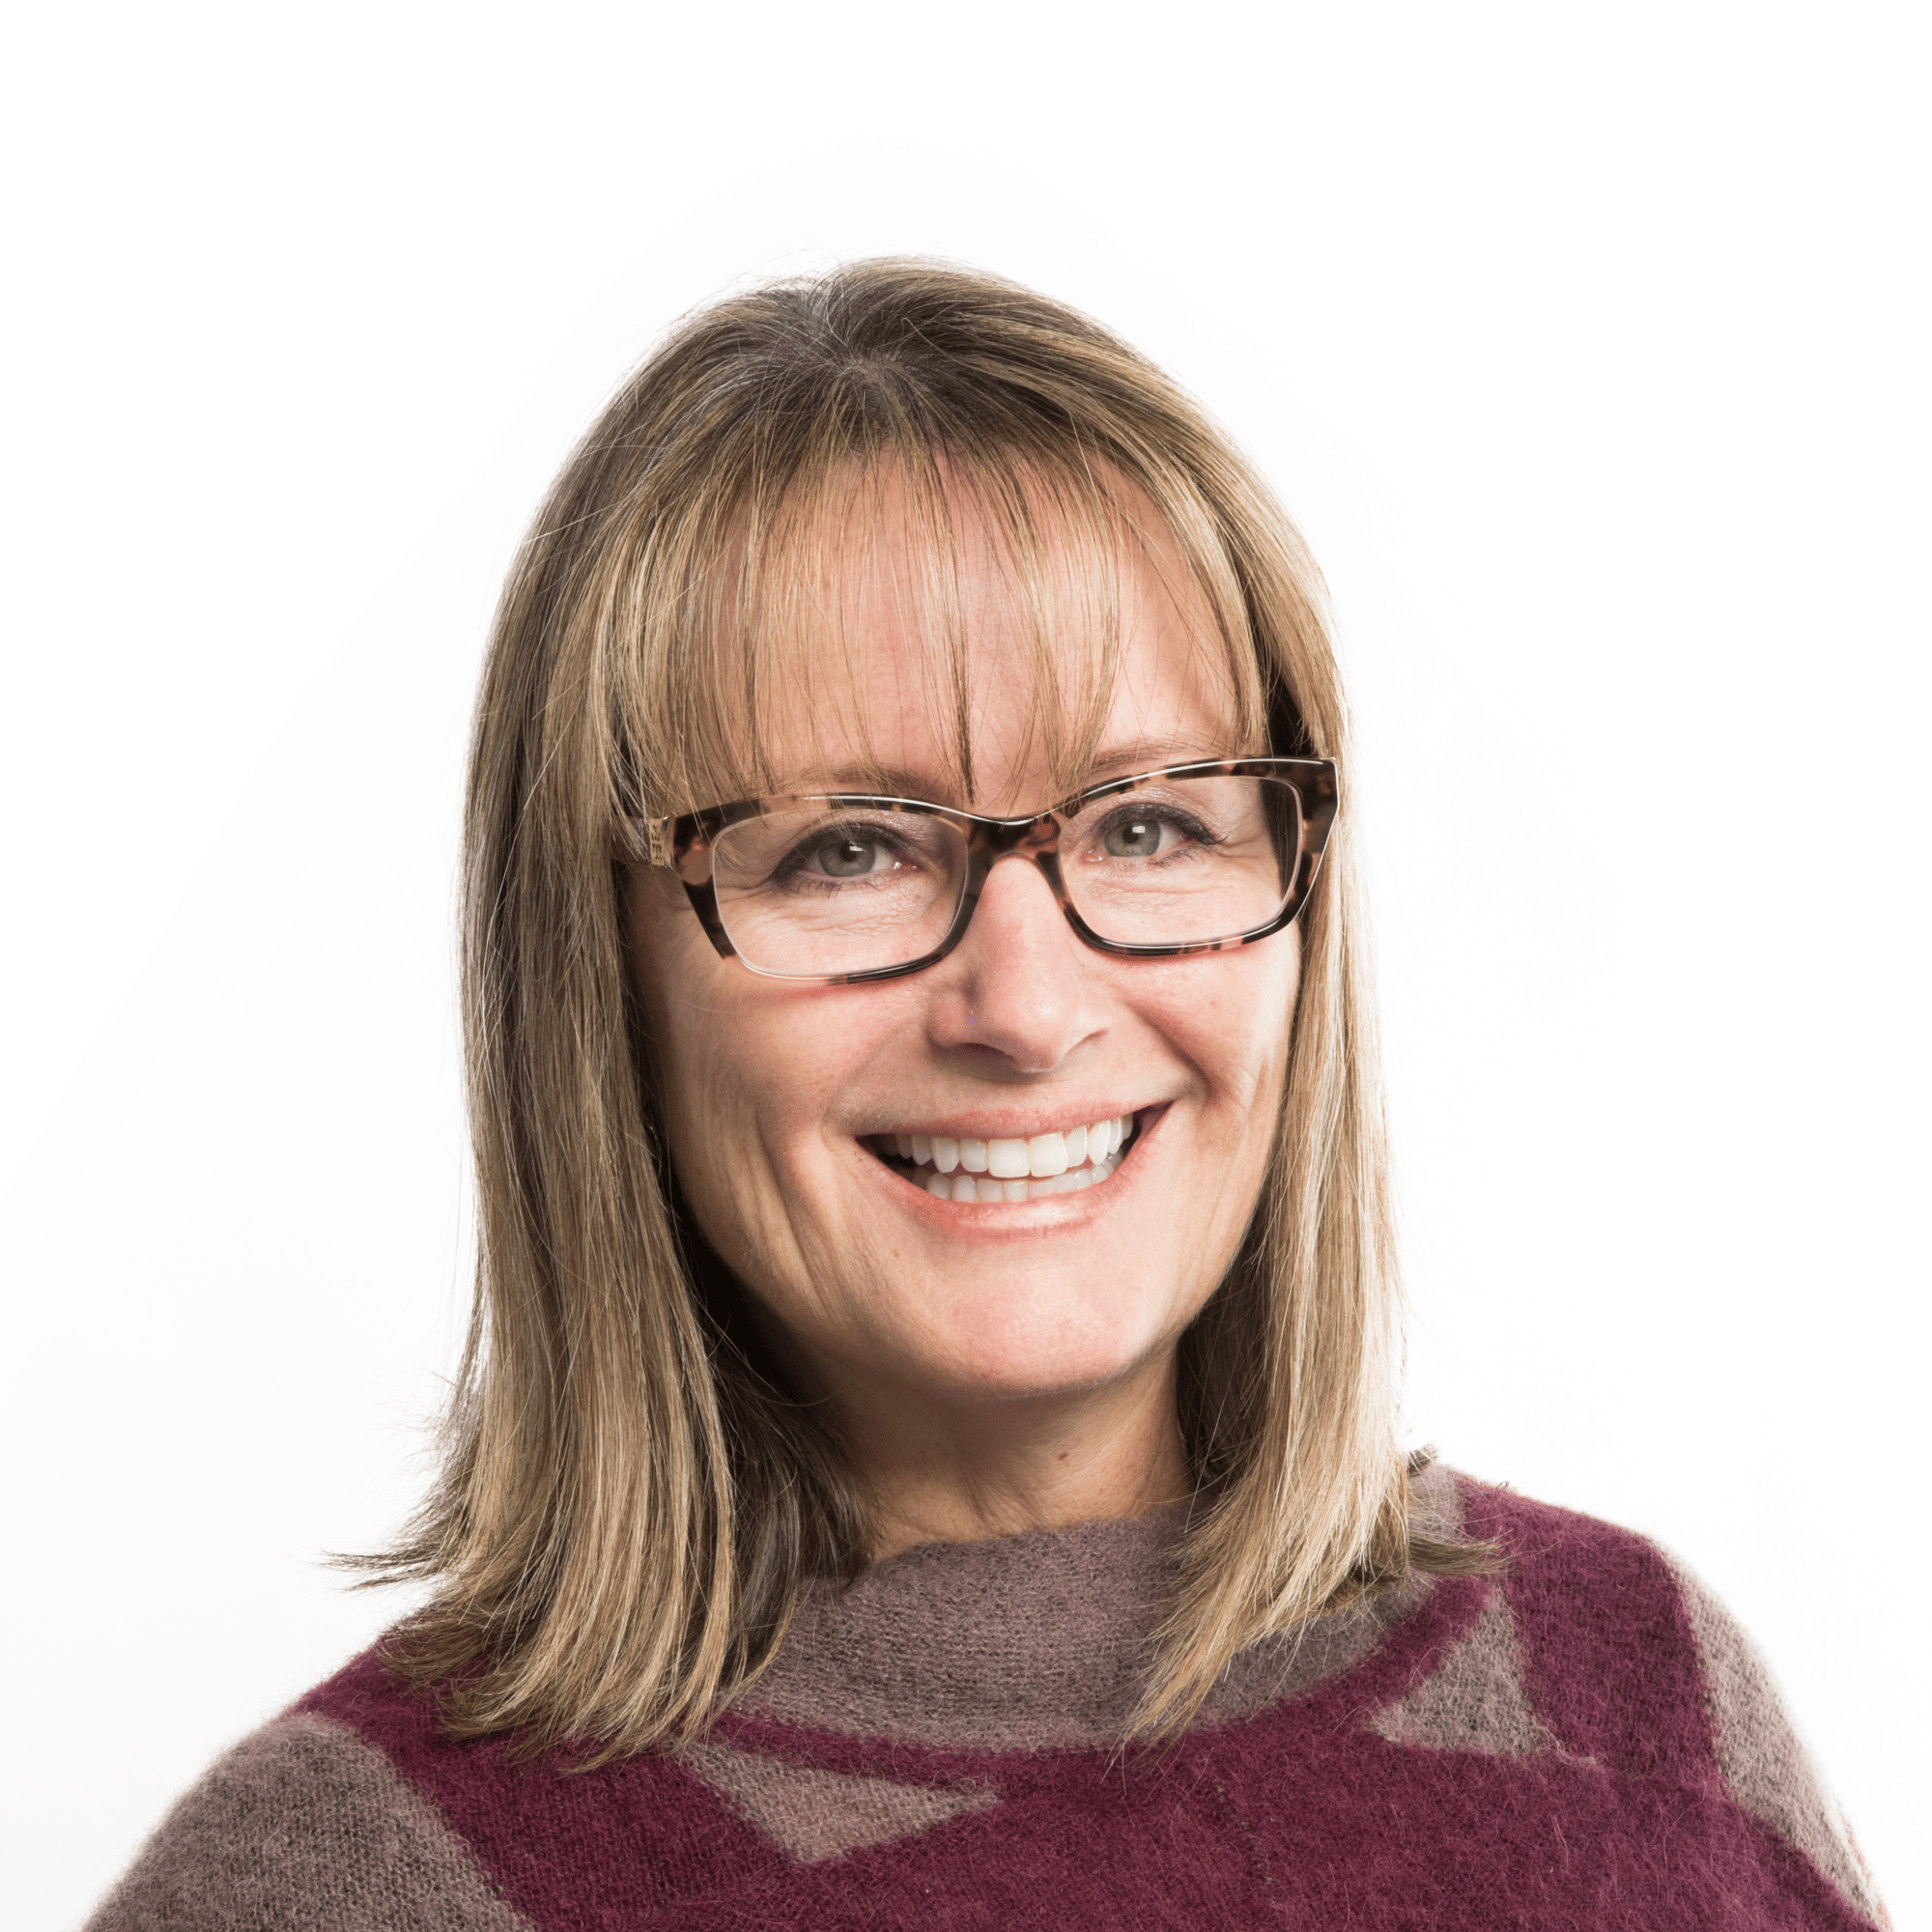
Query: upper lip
point(1010, 1126)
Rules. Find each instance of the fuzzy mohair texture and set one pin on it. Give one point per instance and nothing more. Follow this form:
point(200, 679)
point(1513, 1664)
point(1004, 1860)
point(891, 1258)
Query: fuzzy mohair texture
point(1582, 1741)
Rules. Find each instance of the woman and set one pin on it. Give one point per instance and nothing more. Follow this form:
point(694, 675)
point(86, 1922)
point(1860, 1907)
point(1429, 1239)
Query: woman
point(927, 1450)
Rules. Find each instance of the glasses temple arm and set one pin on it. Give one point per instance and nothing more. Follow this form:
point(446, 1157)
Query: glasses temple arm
point(653, 834)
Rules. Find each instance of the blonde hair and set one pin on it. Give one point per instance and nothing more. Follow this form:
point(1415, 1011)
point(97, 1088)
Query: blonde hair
point(630, 1503)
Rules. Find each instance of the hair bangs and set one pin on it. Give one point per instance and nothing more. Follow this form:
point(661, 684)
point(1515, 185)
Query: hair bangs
point(854, 587)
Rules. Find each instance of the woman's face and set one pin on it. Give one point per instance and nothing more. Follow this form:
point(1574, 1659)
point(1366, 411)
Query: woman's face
point(777, 1096)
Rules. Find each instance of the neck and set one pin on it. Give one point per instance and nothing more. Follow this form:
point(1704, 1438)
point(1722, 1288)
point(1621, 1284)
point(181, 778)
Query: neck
point(942, 1469)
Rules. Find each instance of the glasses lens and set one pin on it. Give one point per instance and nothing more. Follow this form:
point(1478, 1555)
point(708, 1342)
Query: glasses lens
point(833, 889)
point(1179, 861)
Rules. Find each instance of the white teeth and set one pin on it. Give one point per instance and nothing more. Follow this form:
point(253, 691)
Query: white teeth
point(1046, 1155)
point(987, 1191)
point(1006, 1160)
point(1013, 1170)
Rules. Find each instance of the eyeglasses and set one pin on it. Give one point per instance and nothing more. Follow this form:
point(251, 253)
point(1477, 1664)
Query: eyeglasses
point(843, 886)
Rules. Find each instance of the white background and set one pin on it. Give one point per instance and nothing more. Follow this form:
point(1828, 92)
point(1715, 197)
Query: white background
point(1587, 343)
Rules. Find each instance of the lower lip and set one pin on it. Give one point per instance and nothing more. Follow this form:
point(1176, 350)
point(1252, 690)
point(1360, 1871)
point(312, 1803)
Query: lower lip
point(1050, 1207)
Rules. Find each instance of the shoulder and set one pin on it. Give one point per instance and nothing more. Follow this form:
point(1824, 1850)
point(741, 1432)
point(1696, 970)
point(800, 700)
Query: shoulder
point(355, 1813)
point(1632, 1662)
point(304, 1824)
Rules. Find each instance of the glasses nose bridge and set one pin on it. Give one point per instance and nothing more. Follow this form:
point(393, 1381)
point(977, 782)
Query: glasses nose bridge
point(1036, 841)
point(1017, 837)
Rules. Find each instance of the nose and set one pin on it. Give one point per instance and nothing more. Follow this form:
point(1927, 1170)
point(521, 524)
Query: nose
point(1019, 983)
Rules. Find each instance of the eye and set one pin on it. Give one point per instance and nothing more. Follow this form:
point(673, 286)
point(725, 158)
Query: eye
point(844, 856)
point(843, 851)
point(1134, 838)
point(1145, 831)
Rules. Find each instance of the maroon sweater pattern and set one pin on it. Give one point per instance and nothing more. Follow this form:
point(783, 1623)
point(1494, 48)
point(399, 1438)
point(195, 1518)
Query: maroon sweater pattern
point(1550, 1747)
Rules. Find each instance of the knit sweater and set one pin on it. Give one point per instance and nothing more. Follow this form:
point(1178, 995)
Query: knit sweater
point(1582, 1741)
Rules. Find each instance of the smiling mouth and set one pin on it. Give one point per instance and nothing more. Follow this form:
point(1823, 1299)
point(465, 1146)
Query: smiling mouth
point(986, 1170)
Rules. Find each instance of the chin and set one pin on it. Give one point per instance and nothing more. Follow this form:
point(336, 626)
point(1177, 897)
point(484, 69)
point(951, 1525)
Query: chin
point(1038, 1352)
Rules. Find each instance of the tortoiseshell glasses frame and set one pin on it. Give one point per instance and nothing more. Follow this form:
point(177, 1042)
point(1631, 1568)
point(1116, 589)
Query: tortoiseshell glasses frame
point(684, 844)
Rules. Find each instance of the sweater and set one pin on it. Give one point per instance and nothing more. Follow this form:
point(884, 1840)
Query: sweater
point(1582, 1741)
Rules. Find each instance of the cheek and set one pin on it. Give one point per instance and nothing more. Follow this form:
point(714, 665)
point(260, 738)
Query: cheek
point(707, 1110)
point(746, 1076)
point(1234, 1022)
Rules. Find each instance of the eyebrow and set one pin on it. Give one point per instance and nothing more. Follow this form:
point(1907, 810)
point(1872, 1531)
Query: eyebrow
point(1150, 754)
point(1135, 754)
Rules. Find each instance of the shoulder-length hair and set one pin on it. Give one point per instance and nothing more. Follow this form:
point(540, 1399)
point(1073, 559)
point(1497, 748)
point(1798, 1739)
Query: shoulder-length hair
point(630, 1501)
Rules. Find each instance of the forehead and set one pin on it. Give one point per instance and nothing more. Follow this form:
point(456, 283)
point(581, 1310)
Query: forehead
point(986, 644)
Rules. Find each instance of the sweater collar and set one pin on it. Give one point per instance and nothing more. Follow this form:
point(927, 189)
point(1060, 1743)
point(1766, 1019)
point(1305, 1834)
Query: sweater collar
point(1027, 1642)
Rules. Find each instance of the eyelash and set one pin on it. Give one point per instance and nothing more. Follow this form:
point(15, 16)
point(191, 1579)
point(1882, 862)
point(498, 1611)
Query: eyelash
point(792, 868)
point(1182, 822)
